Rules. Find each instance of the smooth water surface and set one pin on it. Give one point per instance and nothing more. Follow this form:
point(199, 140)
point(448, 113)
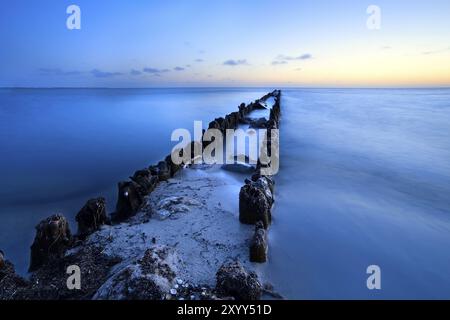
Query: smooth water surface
point(364, 180)
point(364, 176)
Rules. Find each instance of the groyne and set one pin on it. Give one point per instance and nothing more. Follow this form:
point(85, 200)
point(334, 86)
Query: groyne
point(169, 238)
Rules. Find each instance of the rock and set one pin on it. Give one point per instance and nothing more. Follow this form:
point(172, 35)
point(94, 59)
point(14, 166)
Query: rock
point(243, 111)
point(271, 125)
point(146, 180)
point(130, 285)
point(149, 278)
point(10, 282)
point(162, 170)
point(258, 245)
point(214, 125)
point(254, 205)
point(220, 124)
point(275, 112)
point(257, 174)
point(258, 105)
point(2, 259)
point(274, 116)
point(266, 184)
point(129, 200)
point(233, 280)
point(174, 168)
point(232, 120)
point(258, 123)
point(91, 217)
point(50, 281)
point(173, 205)
point(52, 239)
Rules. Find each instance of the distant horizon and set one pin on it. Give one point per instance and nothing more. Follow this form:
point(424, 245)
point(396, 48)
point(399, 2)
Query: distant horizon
point(240, 87)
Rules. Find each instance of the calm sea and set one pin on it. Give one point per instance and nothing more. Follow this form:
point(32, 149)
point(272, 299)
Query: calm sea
point(364, 177)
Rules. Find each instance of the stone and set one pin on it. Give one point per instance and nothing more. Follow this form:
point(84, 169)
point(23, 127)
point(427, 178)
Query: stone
point(146, 180)
point(254, 205)
point(259, 123)
point(259, 245)
point(148, 278)
point(2, 259)
point(53, 238)
point(271, 125)
point(258, 105)
point(220, 124)
point(233, 280)
point(232, 120)
point(266, 184)
point(161, 170)
point(91, 217)
point(173, 205)
point(243, 110)
point(49, 282)
point(174, 168)
point(10, 283)
point(129, 200)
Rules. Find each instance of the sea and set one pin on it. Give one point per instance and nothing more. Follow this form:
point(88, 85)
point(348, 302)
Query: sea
point(364, 176)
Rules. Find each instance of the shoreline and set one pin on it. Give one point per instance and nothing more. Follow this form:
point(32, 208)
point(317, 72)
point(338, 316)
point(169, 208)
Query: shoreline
point(186, 241)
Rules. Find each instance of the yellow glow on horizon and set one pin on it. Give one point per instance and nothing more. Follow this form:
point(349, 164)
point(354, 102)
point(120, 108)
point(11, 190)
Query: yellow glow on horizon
point(355, 69)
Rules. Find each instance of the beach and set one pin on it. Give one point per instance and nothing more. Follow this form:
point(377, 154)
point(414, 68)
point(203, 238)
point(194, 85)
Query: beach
point(363, 180)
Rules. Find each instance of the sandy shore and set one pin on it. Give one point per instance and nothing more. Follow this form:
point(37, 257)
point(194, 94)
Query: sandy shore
point(196, 213)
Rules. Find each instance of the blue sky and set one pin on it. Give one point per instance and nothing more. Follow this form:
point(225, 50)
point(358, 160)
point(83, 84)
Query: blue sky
point(229, 43)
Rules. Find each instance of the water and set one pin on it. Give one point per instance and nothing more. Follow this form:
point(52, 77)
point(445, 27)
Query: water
point(364, 176)
point(364, 179)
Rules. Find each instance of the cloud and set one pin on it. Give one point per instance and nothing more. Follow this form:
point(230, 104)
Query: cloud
point(104, 74)
point(284, 59)
point(298, 69)
point(155, 71)
point(305, 56)
point(233, 63)
point(135, 72)
point(275, 63)
point(178, 69)
point(436, 51)
point(199, 60)
point(57, 72)
point(386, 48)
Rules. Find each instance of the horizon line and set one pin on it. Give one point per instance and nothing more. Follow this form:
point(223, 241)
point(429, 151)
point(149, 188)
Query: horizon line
point(235, 87)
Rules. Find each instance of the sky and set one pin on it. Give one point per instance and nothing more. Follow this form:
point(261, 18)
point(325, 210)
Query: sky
point(225, 43)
